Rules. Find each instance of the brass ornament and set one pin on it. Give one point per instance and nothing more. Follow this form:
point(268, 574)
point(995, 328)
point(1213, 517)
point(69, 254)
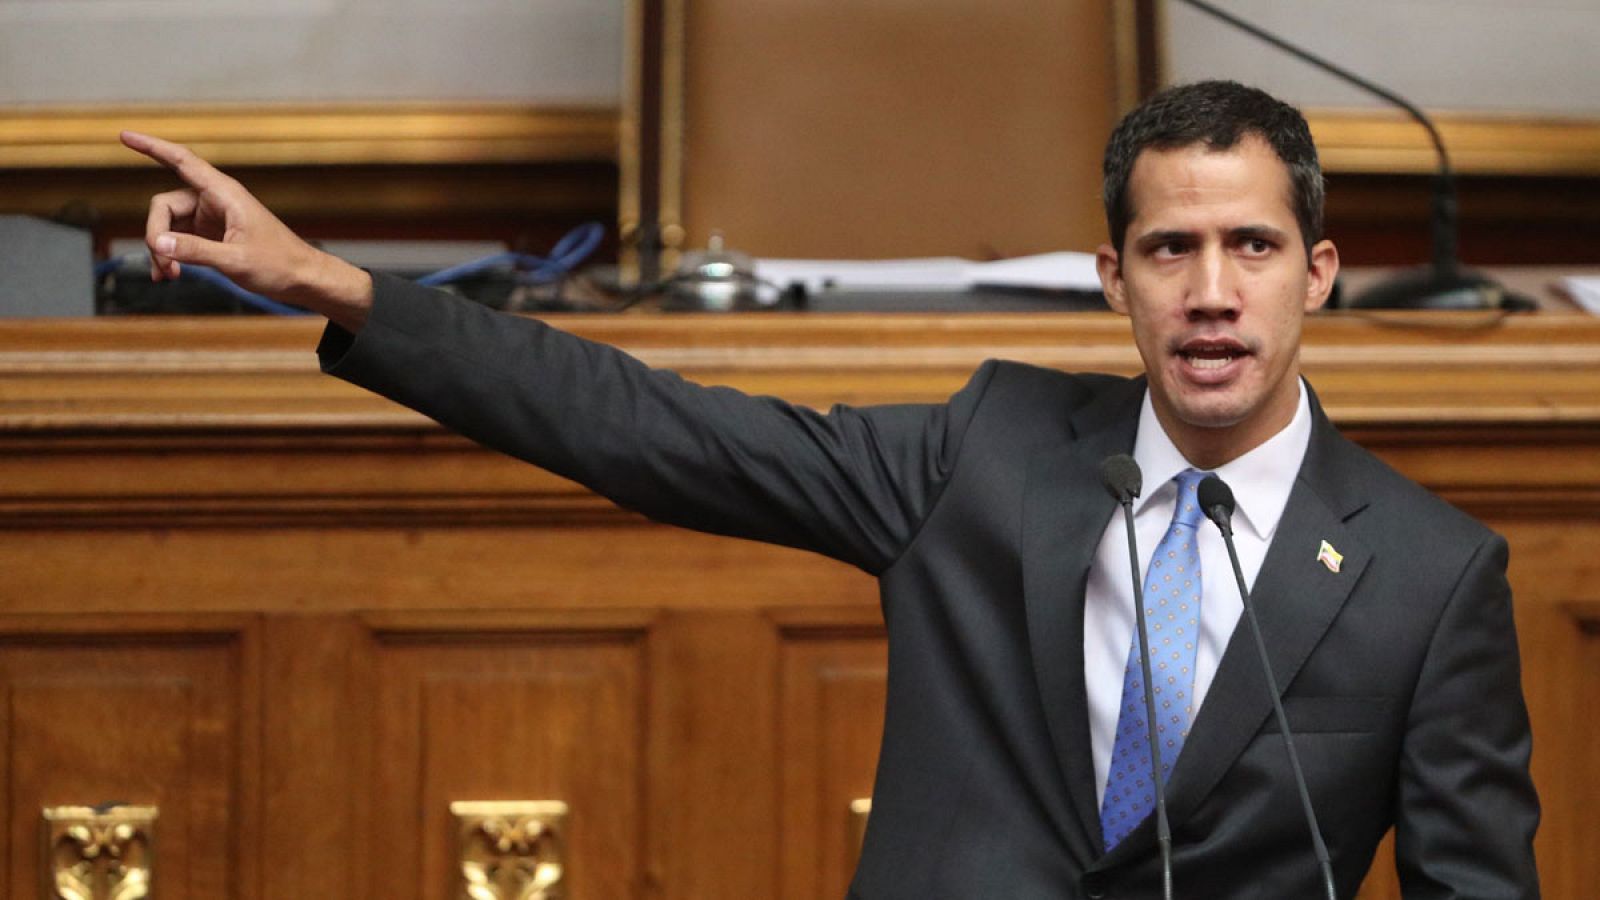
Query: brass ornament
point(511, 850)
point(104, 853)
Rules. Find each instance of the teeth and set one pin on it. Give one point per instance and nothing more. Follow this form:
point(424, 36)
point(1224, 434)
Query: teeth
point(1206, 362)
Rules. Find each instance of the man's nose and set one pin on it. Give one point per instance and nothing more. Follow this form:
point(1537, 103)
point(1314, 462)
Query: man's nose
point(1214, 291)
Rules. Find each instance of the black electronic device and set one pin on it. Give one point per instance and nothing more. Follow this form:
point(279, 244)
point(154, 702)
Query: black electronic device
point(46, 269)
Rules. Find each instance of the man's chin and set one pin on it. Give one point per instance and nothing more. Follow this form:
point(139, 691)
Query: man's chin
point(1215, 411)
point(1211, 420)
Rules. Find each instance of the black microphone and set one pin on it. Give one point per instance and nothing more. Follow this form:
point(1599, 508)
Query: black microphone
point(1122, 478)
point(1444, 285)
point(1216, 500)
point(1123, 481)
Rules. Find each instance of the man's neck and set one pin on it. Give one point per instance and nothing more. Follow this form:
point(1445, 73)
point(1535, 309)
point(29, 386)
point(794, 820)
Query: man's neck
point(1211, 448)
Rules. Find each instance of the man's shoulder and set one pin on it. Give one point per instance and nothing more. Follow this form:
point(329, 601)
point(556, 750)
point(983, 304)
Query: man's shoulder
point(1027, 382)
point(1402, 509)
point(1011, 407)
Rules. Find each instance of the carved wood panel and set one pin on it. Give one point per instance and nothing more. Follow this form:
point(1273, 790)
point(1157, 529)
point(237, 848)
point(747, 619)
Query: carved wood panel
point(834, 681)
point(1555, 578)
point(156, 715)
point(553, 714)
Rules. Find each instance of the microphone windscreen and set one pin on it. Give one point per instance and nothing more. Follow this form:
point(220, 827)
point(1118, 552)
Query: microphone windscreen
point(1216, 499)
point(1121, 476)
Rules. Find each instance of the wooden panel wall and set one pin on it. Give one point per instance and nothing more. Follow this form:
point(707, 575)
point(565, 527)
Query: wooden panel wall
point(880, 128)
point(133, 710)
point(832, 690)
point(476, 713)
point(303, 621)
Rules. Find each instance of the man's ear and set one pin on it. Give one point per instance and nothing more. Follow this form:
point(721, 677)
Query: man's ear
point(1323, 269)
point(1109, 265)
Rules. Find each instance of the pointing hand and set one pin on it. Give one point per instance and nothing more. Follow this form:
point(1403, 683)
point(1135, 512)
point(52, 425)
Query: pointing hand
point(214, 221)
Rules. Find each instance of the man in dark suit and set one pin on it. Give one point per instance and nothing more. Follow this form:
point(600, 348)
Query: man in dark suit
point(1011, 736)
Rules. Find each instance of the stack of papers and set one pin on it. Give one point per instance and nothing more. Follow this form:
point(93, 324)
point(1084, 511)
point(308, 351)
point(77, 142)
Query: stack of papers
point(1045, 272)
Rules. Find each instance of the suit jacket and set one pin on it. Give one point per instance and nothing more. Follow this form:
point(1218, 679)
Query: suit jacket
point(979, 517)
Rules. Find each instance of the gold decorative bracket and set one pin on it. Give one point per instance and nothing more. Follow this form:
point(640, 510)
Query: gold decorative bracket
point(98, 853)
point(511, 850)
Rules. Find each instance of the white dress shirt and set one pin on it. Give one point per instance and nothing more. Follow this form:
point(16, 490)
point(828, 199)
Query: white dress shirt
point(1261, 481)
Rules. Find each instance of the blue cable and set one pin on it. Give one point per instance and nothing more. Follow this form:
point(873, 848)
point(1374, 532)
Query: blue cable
point(568, 253)
point(209, 276)
point(458, 272)
point(265, 304)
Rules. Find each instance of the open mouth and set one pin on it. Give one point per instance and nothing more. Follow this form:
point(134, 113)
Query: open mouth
point(1209, 361)
point(1210, 356)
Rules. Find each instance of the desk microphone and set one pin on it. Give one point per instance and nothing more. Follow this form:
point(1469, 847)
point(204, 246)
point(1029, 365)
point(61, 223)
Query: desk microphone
point(1444, 284)
point(1216, 500)
point(1123, 481)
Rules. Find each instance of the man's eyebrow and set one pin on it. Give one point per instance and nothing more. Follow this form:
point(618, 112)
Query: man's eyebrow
point(1242, 233)
point(1157, 238)
point(1263, 232)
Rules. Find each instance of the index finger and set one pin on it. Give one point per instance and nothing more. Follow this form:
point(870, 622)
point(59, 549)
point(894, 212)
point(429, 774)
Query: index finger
point(192, 169)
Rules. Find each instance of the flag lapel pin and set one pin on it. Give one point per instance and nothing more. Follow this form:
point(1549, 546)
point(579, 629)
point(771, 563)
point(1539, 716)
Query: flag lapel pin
point(1330, 557)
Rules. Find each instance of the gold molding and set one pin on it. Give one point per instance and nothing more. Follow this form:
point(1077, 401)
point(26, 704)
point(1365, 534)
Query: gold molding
point(511, 850)
point(98, 854)
point(670, 207)
point(664, 173)
point(1127, 28)
point(299, 135)
point(1380, 142)
point(630, 175)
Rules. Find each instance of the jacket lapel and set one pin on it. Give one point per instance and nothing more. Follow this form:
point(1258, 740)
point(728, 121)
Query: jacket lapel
point(1296, 598)
point(1065, 512)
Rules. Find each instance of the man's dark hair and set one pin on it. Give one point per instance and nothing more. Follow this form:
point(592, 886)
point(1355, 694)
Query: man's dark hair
point(1217, 114)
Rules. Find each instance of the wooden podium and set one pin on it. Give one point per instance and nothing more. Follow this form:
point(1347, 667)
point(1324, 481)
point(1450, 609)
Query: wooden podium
point(332, 650)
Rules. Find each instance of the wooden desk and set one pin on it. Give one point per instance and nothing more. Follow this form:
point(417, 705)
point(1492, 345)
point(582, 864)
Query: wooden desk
point(302, 621)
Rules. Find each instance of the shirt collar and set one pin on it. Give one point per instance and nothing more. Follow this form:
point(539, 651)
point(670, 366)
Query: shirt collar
point(1261, 479)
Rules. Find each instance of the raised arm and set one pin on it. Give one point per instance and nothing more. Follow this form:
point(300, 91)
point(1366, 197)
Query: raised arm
point(853, 484)
point(213, 221)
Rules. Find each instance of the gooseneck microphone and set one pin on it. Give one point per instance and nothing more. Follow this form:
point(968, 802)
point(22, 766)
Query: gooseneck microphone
point(1444, 284)
point(1216, 500)
point(1122, 478)
point(1123, 481)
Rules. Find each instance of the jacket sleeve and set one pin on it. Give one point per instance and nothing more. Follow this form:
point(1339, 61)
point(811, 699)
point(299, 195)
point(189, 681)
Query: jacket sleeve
point(854, 484)
point(1467, 811)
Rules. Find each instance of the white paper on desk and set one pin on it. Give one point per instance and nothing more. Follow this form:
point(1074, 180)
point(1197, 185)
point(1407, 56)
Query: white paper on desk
point(936, 273)
point(1585, 290)
point(1046, 271)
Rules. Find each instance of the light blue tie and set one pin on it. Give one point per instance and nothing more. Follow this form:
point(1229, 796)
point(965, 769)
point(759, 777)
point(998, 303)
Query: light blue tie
point(1172, 615)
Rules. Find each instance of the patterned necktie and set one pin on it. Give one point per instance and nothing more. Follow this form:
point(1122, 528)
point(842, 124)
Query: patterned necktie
point(1172, 616)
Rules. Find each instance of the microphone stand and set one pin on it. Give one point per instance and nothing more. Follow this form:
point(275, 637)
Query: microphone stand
point(1163, 829)
point(1220, 515)
point(1443, 285)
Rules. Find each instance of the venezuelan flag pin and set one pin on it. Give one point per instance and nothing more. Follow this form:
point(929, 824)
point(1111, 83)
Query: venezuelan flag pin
point(1330, 557)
